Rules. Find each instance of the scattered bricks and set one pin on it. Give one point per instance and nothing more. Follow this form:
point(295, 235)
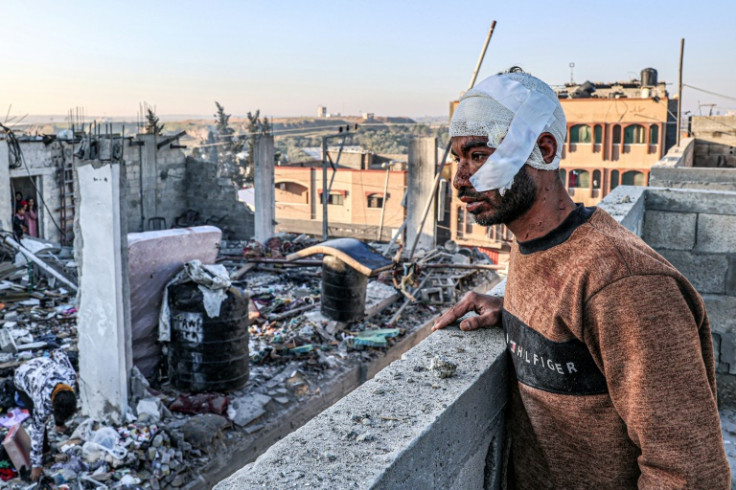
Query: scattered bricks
point(673, 231)
point(706, 272)
point(717, 233)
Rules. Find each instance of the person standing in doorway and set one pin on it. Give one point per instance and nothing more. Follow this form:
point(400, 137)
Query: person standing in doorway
point(32, 218)
point(20, 226)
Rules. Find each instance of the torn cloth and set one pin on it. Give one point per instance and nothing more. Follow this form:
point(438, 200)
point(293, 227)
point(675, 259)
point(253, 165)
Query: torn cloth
point(213, 281)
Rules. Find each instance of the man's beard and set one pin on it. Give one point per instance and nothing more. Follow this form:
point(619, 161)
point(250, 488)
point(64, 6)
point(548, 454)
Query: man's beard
point(509, 207)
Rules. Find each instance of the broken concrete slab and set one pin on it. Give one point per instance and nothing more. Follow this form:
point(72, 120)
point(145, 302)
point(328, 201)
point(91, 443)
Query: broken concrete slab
point(244, 410)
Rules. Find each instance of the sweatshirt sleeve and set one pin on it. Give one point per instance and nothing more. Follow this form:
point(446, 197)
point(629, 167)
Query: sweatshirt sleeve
point(658, 364)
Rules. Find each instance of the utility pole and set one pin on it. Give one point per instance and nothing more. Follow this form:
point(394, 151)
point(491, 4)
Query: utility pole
point(325, 187)
point(679, 92)
point(385, 198)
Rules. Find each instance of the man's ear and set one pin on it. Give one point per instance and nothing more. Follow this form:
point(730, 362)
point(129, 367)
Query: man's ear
point(548, 146)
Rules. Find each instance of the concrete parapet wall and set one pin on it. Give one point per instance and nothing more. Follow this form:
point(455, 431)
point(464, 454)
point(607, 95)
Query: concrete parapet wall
point(678, 156)
point(626, 204)
point(713, 179)
point(405, 428)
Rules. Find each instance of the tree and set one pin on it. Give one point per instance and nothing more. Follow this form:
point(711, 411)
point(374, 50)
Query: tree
point(222, 122)
point(152, 123)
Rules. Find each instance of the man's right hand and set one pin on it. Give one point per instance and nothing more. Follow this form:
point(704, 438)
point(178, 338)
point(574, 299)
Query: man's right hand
point(487, 307)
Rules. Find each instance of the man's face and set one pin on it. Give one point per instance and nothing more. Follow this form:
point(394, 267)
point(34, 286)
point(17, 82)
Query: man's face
point(489, 208)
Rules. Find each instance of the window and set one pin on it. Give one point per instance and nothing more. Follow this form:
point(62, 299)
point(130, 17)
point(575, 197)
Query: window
point(375, 201)
point(617, 134)
point(461, 222)
point(634, 135)
point(633, 178)
point(336, 200)
point(614, 179)
point(578, 179)
point(291, 192)
point(596, 179)
point(654, 134)
point(580, 133)
point(597, 134)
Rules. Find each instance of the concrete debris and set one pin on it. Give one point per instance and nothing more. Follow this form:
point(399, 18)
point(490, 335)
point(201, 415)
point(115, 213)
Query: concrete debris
point(294, 352)
point(246, 409)
point(149, 410)
point(442, 367)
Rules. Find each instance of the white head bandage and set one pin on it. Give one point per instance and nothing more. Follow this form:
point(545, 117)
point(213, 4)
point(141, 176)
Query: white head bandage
point(512, 110)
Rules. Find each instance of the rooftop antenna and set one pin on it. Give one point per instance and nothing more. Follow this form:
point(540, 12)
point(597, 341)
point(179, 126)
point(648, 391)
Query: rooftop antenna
point(572, 69)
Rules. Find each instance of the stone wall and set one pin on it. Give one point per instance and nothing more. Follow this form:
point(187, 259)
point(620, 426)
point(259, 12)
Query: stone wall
point(405, 428)
point(156, 182)
point(213, 194)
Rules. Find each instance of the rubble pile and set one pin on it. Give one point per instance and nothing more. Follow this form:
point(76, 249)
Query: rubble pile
point(171, 438)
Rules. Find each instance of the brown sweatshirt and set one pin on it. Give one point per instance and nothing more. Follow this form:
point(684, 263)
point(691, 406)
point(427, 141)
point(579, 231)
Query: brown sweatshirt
point(614, 373)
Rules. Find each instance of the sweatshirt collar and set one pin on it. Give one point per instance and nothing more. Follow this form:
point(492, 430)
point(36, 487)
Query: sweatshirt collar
point(577, 217)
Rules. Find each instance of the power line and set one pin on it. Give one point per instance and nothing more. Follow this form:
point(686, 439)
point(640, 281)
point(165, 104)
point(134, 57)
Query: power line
point(710, 92)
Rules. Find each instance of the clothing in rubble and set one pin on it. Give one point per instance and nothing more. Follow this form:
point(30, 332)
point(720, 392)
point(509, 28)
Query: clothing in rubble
point(36, 381)
point(614, 380)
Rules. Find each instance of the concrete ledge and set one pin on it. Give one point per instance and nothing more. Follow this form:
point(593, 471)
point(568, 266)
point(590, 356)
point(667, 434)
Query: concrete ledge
point(626, 204)
point(723, 179)
point(690, 200)
point(406, 428)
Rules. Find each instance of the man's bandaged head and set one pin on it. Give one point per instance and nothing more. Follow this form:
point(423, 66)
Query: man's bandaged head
point(511, 110)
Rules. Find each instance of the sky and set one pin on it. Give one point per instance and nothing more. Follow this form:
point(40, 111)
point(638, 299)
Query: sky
point(390, 57)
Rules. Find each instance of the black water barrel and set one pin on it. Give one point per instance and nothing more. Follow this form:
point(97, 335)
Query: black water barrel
point(649, 77)
point(343, 290)
point(207, 354)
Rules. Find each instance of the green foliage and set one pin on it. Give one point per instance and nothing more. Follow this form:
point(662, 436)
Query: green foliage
point(152, 123)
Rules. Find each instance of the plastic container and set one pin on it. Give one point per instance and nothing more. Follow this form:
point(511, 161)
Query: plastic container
point(207, 354)
point(343, 291)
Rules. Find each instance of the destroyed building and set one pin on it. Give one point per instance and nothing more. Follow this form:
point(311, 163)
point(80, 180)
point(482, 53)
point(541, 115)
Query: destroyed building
point(165, 188)
point(299, 361)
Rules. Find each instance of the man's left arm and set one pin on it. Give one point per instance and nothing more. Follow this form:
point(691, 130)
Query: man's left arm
point(645, 336)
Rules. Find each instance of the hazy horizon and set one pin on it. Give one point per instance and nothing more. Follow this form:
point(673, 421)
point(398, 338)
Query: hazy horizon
point(390, 58)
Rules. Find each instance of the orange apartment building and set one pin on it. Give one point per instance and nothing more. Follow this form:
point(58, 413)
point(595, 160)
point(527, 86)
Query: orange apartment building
point(615, 133)
point(355, 204)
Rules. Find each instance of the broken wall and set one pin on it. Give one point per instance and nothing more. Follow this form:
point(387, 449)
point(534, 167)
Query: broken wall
point(44, 161)
point(213, 194)
point(156, 182)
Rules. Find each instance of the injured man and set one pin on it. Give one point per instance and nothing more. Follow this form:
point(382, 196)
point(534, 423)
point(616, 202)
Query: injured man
point(613, 381)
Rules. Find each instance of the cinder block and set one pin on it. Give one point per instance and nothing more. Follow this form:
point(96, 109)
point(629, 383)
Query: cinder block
point(672, 231)
point(690, 201)
point(717, 233)
point(706, 272)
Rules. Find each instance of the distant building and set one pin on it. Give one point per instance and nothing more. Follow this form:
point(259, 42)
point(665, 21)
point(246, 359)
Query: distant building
point(321, 111)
